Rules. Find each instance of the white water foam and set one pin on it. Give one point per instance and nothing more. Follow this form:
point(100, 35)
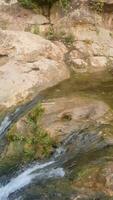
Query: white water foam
point(5, 123)
point(27, 176)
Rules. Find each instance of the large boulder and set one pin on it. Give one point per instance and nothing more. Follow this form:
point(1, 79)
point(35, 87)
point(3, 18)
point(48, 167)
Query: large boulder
point(27, 61)
point(63, 116)
point(13, 16)
point(92, 48)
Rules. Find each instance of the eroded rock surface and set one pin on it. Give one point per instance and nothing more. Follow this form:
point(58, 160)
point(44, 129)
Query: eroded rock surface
point(83, 40)
point(27, 61)
point(88, 149)
point(62, 116)
point(92, 31)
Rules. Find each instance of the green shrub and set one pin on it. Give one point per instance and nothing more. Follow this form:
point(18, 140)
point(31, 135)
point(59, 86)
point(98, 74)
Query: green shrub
point(67, 38)
point(30, 4)
point(35, 141)
point(33, 29)
point(50, 34)
point(33, 3)
point(64, 4)
point(97, 5)
point(35, 114)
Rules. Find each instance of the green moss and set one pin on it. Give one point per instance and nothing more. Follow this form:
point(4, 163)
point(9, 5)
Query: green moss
point(64, 4)
point(33, 29)
point(32, 4)
point(67, 38)
point(87, 171)
point(50, 34)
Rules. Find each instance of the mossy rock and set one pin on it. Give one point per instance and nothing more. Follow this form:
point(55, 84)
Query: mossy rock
point(31, 142)
point(32, 4)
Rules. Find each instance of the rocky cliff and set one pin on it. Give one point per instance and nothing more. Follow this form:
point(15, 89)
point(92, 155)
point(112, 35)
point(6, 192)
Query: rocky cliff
point(81, 38)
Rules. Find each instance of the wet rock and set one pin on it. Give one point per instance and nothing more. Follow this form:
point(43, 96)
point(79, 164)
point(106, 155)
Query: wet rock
point(64, 115)
point(107, 173)
point(99, 180)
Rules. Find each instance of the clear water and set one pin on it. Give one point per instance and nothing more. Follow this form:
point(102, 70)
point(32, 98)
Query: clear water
point(48, 181)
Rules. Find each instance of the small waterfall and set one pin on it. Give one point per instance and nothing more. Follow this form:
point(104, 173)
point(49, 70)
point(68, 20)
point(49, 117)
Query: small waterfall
point(19, 112)
point(37, 171)
point(5, 124)
point(46, 170)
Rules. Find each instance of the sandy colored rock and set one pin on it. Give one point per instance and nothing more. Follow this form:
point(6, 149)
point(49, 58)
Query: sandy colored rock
point(31, 62)
point(64, 115)
point(17, 18)
point(92, 49)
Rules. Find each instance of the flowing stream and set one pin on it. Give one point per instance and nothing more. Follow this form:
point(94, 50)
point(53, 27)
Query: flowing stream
point(39, 171)
point(33, 172)
point(52, 179)
point(20, 111)
point(26, 177)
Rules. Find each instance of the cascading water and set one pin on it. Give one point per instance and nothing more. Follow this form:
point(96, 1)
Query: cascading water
point(63, 158)
point(14, 116)
point(39, 171)
point(46, 170)
point(5, 124)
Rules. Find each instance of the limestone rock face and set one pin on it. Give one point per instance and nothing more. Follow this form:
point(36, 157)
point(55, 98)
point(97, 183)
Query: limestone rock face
point(92, 49)
point(62, 116)
point(27, 61)
point(7, 2)
point(15, 17)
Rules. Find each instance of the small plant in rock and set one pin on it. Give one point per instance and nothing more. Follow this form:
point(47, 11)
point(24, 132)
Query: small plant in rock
point(89, 42)
point(34, 141)
point(33, 29)
point(64, 4)
point(30, 4)
point(67, 38)
point(111, 34)
point(50, 34)
point(35, 114)
point(13, 135)
point(97, 5)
